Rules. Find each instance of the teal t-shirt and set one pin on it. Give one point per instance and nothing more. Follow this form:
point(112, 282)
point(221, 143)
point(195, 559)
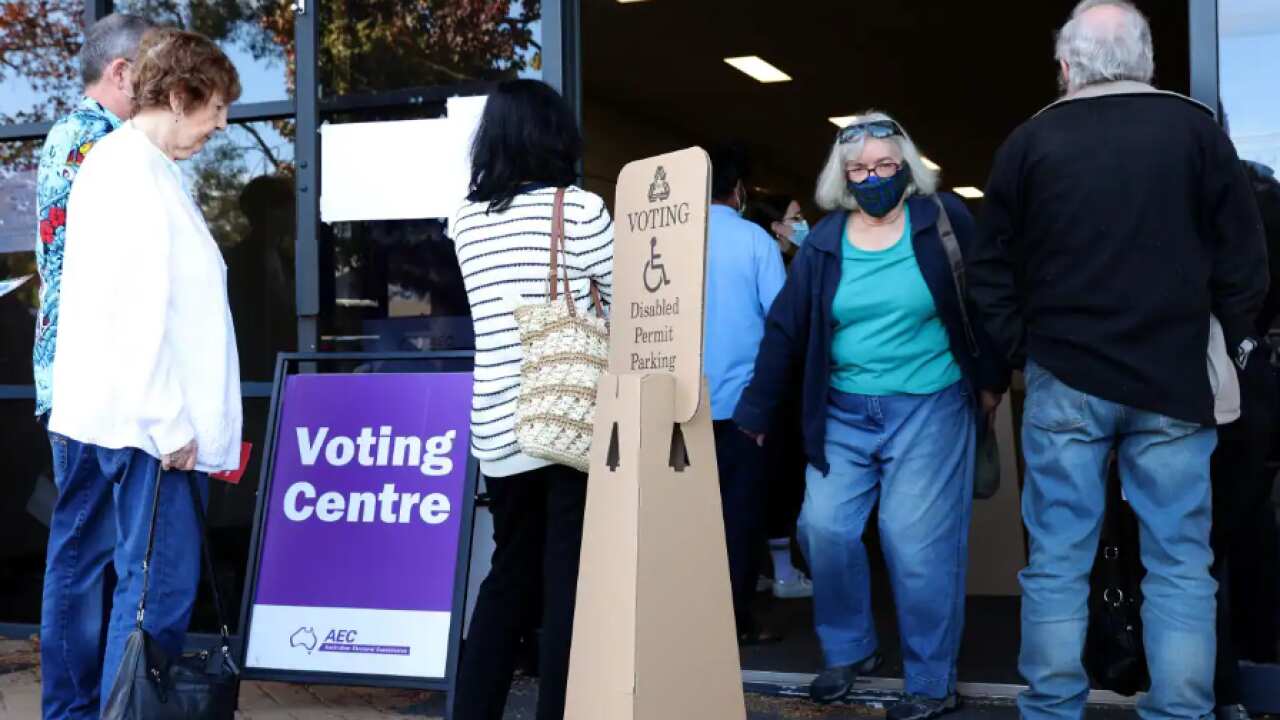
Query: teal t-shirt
point(889, 339)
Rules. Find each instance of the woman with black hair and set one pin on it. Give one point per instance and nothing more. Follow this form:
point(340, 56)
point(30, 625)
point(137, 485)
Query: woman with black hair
point(526, 149)
point(783, 218)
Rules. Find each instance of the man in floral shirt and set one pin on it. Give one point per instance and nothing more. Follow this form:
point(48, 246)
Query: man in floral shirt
point(81, 536)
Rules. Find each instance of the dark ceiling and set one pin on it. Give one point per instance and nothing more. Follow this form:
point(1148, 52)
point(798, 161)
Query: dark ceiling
point(958, 75)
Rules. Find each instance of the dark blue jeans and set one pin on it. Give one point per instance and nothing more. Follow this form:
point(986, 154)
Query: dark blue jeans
point(104, 514)
point(743, 493)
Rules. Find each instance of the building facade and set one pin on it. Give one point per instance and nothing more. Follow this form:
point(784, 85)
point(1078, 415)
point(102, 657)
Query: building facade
point(646, 77)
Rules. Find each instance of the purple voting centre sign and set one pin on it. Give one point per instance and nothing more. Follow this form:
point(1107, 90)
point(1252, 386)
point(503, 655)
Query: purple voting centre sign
point(358, 550)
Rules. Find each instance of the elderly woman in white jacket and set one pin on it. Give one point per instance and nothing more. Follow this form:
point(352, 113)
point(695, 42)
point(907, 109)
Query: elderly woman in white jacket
point(146, 380)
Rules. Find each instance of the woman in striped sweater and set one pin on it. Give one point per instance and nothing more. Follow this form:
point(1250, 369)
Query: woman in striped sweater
point(528, 144)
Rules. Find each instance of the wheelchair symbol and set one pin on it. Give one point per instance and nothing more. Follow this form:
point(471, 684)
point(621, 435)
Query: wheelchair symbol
point(655, 266)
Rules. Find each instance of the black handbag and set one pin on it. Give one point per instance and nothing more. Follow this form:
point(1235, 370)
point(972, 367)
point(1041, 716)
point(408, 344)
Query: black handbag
point(1114, 654)
point(150, 684)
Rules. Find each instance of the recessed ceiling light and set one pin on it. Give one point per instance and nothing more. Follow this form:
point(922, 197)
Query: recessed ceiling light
point(971, 193)
point(930, 164)
point(758, 69)
point(842, 121)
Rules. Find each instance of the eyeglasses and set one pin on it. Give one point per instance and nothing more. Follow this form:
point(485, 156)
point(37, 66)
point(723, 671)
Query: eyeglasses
point(882, 169)
point(879, 129)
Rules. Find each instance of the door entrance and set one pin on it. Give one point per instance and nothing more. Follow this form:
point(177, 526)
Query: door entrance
point(960, 77)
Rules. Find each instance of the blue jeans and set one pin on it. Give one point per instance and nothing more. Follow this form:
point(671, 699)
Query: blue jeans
point(916, 455)
point(80, 659)
point(1164, 469)
point(73, 615)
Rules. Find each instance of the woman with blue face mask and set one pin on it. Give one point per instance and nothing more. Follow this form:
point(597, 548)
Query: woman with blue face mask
point(783, 218)
point(895, 391)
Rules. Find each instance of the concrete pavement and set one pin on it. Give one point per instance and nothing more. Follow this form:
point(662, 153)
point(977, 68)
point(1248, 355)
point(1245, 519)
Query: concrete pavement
point(20, 699)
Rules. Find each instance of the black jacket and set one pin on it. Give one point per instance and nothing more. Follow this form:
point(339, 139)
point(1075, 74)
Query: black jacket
point(1113, 225)
point(799, 327)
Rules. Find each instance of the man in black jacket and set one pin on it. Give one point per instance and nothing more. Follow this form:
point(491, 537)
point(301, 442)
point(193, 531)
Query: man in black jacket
point(1118, 228)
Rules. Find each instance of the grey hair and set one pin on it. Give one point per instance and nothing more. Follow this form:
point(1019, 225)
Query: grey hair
point(833, 187)
point(1097, 55)
point(113, 37)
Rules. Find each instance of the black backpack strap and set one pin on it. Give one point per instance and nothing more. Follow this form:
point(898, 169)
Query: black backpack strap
point(956, 260)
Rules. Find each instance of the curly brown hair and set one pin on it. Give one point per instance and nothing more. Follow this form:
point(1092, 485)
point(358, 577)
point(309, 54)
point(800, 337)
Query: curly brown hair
point(183, 64)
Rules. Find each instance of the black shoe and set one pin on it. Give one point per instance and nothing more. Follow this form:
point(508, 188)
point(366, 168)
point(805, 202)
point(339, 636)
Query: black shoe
point(757, 637)
point(919, 707)
point(835, 684)
point(1231, 712)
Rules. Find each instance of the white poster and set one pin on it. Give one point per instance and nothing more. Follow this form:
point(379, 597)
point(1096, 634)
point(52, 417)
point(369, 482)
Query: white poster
point(401, 170)
point(8, 286)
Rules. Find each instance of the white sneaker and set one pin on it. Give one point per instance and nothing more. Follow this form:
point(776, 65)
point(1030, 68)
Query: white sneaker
point(763, 583)
point(801, 587)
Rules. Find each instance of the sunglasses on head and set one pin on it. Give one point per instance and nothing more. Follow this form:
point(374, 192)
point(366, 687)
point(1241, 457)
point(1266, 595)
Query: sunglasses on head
point(879, 129)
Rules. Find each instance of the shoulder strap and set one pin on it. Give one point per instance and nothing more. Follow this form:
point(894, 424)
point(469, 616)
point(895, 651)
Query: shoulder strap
point(206, 553)
point(956, 260)
point(558, 266)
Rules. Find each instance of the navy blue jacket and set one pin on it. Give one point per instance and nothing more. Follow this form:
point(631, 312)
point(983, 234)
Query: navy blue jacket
point(800, 324)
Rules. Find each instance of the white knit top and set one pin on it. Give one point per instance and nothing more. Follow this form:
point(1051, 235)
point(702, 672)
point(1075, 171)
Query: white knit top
point(146, 349)
point(504, 261)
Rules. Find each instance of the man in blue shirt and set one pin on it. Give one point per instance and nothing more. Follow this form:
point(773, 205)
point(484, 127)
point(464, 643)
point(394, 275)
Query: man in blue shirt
point(744, 275)
point(82, 529)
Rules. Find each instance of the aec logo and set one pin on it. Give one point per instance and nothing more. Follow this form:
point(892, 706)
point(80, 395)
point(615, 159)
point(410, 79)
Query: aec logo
point(305, 638)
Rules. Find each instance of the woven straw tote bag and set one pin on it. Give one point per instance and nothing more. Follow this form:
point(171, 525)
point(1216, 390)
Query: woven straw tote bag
point(565, 353)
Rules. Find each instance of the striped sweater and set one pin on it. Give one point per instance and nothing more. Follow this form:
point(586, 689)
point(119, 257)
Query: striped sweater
point(504, 261)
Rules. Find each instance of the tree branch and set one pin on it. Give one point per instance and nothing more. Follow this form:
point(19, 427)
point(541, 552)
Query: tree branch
point(262, 144)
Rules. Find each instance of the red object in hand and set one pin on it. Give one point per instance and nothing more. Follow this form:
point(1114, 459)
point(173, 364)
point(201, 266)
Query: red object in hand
point(233, 476)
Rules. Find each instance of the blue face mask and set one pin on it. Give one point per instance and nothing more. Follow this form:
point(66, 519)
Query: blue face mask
point(878, 196)
point(799, 232)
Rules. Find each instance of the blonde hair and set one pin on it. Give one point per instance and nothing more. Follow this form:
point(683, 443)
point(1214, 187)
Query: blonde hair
point(833, 187)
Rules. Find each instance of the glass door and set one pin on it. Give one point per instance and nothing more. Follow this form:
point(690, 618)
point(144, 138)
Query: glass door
point(656, 78)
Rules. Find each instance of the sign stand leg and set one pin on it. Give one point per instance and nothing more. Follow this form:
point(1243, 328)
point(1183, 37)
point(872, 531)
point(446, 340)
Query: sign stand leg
point(654, 635)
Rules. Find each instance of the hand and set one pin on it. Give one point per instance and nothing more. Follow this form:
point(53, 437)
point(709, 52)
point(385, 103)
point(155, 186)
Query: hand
point(182, 459)
point(990, 403)
point(757, 437)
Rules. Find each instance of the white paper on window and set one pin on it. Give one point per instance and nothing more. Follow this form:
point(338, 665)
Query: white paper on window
point(400, 170)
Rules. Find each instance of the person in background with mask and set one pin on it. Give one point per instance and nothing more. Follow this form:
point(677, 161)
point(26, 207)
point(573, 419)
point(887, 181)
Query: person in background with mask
point(782, 217)
point(892, 394)
point(744, 274)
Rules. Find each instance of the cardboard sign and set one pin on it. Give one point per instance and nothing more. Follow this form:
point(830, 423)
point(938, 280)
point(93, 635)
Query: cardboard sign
point(653, 633)
point(659, 265)
point(360, 537)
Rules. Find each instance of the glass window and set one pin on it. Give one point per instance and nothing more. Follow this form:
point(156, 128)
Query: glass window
point(257, 36)
point(27, 494)
point(231, 510)
point(1249, 54)
point(391, 285)
point(379, 45)
point(39, 77)
point(243, 182)
point(19, 297)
